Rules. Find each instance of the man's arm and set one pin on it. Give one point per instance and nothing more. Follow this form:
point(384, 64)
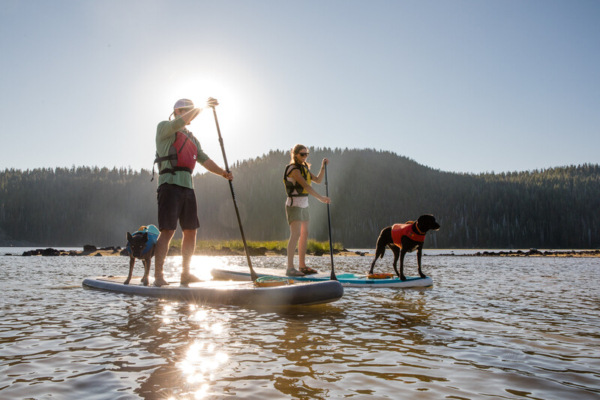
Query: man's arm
point(211, 166)
point(190, 115)
point(169, 128)
point(166, 129)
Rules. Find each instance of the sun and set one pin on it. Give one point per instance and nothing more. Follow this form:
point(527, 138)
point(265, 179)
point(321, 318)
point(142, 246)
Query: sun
point(199, 89)
point(231, 112)
point(232, 115)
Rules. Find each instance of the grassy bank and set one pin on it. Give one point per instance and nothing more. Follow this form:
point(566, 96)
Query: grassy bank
point(313, 246)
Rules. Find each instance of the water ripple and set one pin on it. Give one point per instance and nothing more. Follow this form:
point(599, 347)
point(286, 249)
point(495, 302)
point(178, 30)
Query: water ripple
point(489, 327)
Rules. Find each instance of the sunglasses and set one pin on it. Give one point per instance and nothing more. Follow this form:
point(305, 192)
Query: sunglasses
point(303, 154)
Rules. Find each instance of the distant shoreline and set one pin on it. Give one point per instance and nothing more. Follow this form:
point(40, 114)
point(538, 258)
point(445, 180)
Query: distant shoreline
point(173, 251)
point(92, 251)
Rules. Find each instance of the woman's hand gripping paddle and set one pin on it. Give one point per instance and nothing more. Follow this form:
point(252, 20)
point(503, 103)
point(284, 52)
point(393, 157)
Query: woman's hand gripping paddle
point(333, 277)
point(237, 211)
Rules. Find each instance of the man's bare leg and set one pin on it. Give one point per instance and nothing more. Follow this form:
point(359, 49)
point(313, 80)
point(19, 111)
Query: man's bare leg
point(160, 254)
point(188, 246)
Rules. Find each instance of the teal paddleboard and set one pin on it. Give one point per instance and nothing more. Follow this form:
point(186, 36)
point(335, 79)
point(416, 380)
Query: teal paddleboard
point(346, 279)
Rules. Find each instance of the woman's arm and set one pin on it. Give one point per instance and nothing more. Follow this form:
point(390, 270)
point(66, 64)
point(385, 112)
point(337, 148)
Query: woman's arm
point(298, 177)
point(319, 178)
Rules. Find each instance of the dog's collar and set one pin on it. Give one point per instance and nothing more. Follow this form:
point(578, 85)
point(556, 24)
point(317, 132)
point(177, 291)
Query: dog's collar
point(418, 230)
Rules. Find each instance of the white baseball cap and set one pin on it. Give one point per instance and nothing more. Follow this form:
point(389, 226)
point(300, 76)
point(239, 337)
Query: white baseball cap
point(183, 103)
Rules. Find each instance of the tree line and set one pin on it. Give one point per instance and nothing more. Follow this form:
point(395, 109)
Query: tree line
point(370, 189)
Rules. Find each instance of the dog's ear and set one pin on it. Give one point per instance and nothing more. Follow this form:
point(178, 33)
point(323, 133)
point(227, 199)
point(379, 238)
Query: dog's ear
point(129, 237)
point(145, 237)
point(426, 218)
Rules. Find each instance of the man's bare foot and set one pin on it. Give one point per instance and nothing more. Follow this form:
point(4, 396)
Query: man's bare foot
point(160, 281)
point(187, 278)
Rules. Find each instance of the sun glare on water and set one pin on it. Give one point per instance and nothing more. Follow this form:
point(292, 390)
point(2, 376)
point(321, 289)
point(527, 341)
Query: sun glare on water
point(200, 364)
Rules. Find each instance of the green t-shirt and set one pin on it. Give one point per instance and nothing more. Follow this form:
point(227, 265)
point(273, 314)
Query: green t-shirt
point(165, 137)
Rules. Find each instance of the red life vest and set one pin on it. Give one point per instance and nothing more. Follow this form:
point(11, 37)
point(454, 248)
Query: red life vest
point(400, 230)
point(182, 155)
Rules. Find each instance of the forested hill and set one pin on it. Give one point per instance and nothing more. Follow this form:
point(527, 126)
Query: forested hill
point(552, 208)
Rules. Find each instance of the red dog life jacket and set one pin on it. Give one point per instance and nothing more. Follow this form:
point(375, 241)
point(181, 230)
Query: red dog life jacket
point(400, 230)
point(182, 155)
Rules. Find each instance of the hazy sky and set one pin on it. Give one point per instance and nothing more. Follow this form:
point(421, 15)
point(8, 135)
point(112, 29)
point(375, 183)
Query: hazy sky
point(466, 86)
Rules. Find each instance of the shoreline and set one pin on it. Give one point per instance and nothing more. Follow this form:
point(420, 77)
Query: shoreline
point(92, 251)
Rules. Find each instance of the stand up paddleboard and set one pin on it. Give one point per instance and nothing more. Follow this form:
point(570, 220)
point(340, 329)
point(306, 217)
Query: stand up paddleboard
point(227, 293)
point(348, 280)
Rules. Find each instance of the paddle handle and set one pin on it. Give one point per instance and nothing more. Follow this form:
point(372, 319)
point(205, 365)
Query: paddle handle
point(333, 277)
point(237, 211)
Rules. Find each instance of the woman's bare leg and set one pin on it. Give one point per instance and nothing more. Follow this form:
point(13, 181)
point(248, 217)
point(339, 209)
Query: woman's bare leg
point(295, 230)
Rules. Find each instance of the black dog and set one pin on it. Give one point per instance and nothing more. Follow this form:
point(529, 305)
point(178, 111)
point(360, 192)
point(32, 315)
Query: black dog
point(137, 246)
point(405, 238)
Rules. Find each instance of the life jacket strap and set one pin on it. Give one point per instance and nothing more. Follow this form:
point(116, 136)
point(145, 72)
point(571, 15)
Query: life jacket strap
point(173, 170)
point(158, 160)
point(182, 141)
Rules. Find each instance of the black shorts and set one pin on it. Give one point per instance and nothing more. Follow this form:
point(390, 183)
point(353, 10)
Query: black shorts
point(176, 203)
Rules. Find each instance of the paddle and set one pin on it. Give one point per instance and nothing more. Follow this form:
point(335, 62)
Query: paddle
point(333, 277)
point(237, 211)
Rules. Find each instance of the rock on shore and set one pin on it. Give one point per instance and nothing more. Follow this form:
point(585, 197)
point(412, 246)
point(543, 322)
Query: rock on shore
point(88, 251)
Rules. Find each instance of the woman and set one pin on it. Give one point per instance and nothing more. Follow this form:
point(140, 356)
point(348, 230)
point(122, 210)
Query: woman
point(297, 178)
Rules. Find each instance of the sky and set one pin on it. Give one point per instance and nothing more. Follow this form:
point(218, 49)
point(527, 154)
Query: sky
point(459, 86)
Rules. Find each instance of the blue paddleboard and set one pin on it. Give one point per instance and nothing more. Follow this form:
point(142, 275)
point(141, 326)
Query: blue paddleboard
point(346, 279)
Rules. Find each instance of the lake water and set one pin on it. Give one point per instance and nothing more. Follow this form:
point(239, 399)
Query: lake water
point(488, 328)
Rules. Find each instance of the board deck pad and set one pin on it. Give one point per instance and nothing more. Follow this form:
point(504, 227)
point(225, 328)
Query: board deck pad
point(243, 293)
point(346, 279)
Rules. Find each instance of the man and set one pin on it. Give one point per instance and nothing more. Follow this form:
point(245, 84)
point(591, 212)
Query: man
point(177, 152)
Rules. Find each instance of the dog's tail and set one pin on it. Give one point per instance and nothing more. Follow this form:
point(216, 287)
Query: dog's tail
point(382, 253)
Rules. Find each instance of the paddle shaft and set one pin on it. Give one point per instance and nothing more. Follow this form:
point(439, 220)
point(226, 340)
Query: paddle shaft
point(333, 277)
point(237, 211)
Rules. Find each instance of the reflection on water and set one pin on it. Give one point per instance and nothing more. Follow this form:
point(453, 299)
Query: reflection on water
point(492, 328)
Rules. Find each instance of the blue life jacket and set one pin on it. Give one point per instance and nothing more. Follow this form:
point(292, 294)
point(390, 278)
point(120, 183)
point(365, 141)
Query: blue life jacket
point(152, 232)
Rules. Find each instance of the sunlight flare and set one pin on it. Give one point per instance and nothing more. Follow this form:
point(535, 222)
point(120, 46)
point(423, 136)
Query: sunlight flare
point(199, 89)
